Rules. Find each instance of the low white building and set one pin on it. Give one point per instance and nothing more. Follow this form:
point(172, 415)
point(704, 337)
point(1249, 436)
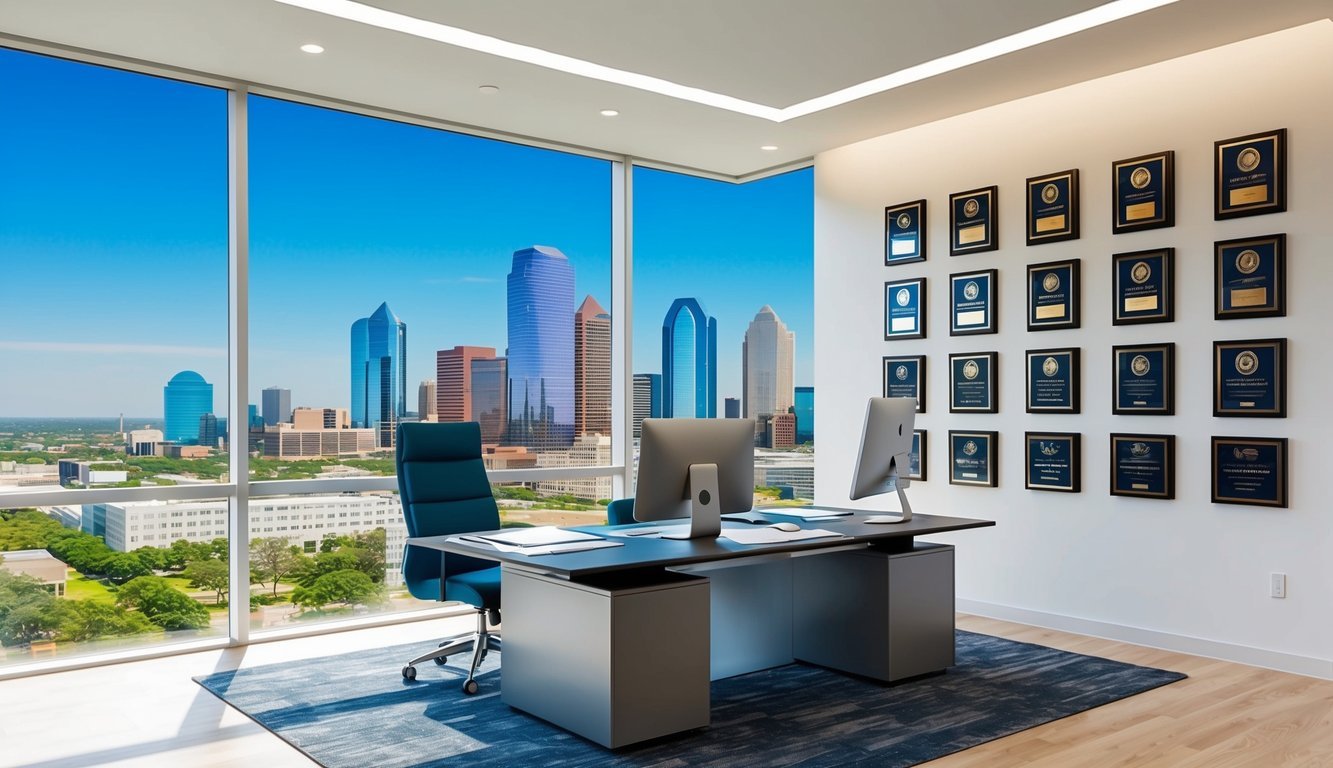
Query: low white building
point(587, 451)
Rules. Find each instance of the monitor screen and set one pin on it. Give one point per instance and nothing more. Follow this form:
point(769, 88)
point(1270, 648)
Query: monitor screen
point(670, 446)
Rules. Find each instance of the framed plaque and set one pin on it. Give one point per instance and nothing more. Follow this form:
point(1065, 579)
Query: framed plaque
point(905, 233)
point(1143, 380)
point(972, 458)
point(972, 302)
point(1053, 295)
point(1250, 277)
point(972, 221)
point(905, 376)
point(1051, 461)
point(1250, 378)
point(905, 309)
point(1143, 465)
point(917, 458)
point(1250, 470)
point(1250, 175)
point(972, 383)
point(1053, 380)
point(1052, 211)
point(1143, 287)
point(1143, 191)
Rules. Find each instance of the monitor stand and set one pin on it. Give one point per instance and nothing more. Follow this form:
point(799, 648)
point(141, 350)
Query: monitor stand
point(897, 482)
point(704, 504)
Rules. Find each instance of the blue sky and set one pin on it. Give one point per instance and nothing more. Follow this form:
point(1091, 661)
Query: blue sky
point(113, 241)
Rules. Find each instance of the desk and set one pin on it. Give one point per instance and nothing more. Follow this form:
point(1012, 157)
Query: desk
point(615, 644)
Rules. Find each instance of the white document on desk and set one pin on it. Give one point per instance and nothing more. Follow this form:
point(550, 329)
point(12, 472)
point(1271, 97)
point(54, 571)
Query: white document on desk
point(774, 536)
point(807, 513)
point(549, 549)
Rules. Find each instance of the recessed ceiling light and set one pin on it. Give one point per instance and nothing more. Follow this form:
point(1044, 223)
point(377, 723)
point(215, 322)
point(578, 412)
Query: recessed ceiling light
point(770, 148)
point(312, 48)
point(609, 113)
point(488, 90)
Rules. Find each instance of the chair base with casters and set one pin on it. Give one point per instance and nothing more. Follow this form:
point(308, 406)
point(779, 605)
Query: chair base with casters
point(479, 643)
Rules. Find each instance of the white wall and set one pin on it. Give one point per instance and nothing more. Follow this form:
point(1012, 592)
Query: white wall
point(1183, 574)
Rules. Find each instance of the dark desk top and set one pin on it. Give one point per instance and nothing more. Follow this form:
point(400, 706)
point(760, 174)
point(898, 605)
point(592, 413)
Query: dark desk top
point(643, 552)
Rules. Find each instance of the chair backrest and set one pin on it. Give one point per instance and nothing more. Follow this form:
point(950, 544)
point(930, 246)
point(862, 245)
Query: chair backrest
point(620, 511)
point(443, 488)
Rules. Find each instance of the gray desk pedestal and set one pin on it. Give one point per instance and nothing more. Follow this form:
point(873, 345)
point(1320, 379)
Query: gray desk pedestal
point(879, 614)
point(751, 613)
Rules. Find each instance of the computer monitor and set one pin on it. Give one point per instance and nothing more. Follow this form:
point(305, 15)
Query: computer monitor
point(886, 447)
point(696, 468)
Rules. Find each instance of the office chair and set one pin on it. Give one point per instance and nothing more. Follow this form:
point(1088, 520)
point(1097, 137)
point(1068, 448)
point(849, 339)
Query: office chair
point(620, 512)
point(443, 487)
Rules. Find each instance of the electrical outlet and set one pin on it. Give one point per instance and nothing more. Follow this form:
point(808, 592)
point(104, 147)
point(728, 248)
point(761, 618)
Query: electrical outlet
point(1277, 585)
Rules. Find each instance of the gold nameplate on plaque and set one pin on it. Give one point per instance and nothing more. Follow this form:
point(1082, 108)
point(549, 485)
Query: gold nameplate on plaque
point(974, 234)
point(1049, 311)
point(1249, 297)
point(1248, 195)
point(1051, 223)
point(1140, 303)
point(1140, 211)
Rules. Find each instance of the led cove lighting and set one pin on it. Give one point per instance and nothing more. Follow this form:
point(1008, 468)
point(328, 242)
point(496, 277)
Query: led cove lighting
point(312, 48)
point(769, 148)
point(430, 30)
point(609, 113)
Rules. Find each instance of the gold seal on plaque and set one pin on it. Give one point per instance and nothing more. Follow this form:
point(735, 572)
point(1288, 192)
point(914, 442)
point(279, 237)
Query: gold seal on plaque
point(1050, 193)
point(1247, 363)
point(970, 448)
point(1048, 449)
point(1246, 454)
point(1050, 282)
point(1247, 261)
point(904, 220)
point(1140, 365)
point(971, 207)
point(1139, 450)
point(1248, 159)
point(1140, 272)
point(971, 369)
point(903, 297)
point(970, 291)
point(901, 373)
point(1050, 366)
point(1140, 177)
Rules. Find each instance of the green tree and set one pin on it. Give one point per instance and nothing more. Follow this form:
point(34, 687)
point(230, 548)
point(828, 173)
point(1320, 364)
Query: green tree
point(153, 557)
point(311, 568)
point(162, 604)
point(125, 566)
point(88, 620)
point(272, 558)
point(349, 587)
point(28, 611)
point(208, 574)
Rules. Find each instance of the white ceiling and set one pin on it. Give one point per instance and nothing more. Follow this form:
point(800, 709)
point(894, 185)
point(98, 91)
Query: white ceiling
point(774, 52)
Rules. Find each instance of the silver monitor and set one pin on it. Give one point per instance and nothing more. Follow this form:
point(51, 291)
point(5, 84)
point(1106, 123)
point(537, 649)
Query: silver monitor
point(886, 447)
point(696, 468)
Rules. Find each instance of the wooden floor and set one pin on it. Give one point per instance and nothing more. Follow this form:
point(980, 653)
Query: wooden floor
point(150, 713)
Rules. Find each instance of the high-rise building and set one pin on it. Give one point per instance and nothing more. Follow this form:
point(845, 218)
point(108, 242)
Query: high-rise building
point(453, 381)
point(731, 408)
point(208, 430)
point(647, 399)
point(781, 430)
point(184, 399)
point(379, 373)
point(689, 361)
point(592, 369)
point(767, 362)
point(256, 420)
point(277, 405)
point(320, 418)
point(804, 408)
point(489, 380)
point(427, 409)
point(541, 349)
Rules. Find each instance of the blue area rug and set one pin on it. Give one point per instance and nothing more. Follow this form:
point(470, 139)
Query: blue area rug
point(356, 710)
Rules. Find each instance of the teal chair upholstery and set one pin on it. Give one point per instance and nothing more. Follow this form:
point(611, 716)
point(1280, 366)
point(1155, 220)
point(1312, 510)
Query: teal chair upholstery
point(444, 490)
point(620, 512)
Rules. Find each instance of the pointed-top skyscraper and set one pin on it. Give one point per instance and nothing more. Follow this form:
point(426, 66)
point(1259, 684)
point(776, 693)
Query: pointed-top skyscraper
point(379, 374)
point(541, 349)
point(689, 361)
point(767, 364)
point(592, 369)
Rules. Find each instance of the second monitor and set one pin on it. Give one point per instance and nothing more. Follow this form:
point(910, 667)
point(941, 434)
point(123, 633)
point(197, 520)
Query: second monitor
point(695, 468)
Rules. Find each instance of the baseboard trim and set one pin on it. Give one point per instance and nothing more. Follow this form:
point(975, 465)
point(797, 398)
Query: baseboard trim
point(1167, 641)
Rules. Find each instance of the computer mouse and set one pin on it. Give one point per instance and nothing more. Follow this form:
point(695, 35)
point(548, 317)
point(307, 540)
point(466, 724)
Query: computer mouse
point(788, 527)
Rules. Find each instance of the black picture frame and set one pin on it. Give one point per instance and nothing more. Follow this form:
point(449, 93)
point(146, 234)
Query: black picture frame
point(1143, 465)
point(1052, 207)
point(902, 373)
point(974, 388)
point(976, 464)
point(1250, 277)
point(920, 451)
point(1250, 175)
point(1143, 379)
point(1053, 461)
point(1055, 295)
point(1252, 471)
point(1143, 287)
point(1250, 378)
point(905, 320)
point(1143, 192)
point(973, 302)
point(905, 233)
point(1054, 380)
point(973, 221)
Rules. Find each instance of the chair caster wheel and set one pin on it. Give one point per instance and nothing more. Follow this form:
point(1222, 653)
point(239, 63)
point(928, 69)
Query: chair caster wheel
point(471, 687)
point(409, 673)
point(440, 661)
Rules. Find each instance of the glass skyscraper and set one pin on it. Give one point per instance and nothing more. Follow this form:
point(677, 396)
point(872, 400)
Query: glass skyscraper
point(379, 374)
point(805, 414)
point(689, 361)
point(184, 399)
point(541, 349)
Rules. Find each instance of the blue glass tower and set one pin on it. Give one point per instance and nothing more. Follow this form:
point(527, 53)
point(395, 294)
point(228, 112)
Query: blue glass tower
point(184, 399)
point(541, 349)
point(379, 374)
point(804, 409)
point(689, 362)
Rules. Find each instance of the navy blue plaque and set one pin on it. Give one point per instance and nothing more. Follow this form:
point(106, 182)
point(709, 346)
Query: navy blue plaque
point(1250, 175)
point(1143, 379)
point(1052, 461)
point(1143, 465)
point(905, 233)
point(1250, 277)
point(972, 221)
point(1052, 212)
point(916, 466)
point(972, 303)
point(1250, 378)
point(1144, 193)
point(1250, 470)
point(905, 309)
point(972, 458)
point(1053, 380)
point(1053, 295)
point(972, 383)
point(905, 376)
point(1143, 286)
